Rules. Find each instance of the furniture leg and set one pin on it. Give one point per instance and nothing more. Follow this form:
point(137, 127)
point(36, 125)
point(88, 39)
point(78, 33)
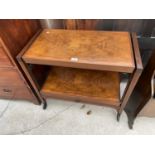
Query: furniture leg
point(118, 116)
point(131, 119)
point(135, 75)
point(44, 104)
point(130, 123)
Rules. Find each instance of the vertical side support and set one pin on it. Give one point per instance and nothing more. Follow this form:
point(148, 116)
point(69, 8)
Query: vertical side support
point(30, 78)
point(135, 75)
point(28, 73)
point(130, 87)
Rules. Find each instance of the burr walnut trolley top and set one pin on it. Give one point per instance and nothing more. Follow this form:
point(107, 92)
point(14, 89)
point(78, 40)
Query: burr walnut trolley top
point(84, 65)
point(100, 50)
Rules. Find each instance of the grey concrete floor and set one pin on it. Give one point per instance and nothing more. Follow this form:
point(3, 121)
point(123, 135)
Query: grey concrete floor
point(66, 117)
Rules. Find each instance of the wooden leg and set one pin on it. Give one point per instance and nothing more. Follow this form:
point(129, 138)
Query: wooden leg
point(118, 116)
point(135, 75)
point(131, 84)
point(130, 123)
point(131, 119)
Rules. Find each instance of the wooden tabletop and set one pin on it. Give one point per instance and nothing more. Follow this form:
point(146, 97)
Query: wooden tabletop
point(102, 50)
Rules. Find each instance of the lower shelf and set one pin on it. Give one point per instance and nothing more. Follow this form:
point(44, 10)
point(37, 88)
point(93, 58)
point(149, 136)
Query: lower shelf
point(100, 87)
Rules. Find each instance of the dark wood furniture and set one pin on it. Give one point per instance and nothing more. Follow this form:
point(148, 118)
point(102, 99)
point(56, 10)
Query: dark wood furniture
point(83, 65)
point(144, 28)
point(14, 35)
point(139, 102)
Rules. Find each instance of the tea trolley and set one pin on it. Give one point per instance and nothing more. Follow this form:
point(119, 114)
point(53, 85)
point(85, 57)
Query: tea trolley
point(81, 65)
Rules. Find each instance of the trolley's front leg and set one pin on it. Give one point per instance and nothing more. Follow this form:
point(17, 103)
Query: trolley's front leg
point(118, 116)
point(44, 104)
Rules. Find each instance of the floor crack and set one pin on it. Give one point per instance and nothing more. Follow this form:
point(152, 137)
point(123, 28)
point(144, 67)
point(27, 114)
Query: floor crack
point(6, 108)
point(39, 125)
point(3, 112)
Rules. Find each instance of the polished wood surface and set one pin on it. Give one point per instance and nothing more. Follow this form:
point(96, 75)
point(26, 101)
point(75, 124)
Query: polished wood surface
point(28, 72)
point(142, 92)
point(10, 77)
point(4, 59)
point(14, 86)
point(82, 84)
point(83, 49)
point(15, 92)
point(136, 74)
point(83, 24)
point(14, 35)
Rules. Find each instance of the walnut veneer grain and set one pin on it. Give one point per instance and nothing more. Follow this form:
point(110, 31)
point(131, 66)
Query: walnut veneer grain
point(4, 60)
point(80, 84)
point(101, 50)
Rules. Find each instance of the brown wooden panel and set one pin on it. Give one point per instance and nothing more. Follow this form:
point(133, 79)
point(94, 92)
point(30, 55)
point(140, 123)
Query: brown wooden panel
point(85, 49)
point(27, 70)
point(83, 24)
point(14, 92)
point(142, 92)
point(4, 59)
point(10, 77)
point(99, 86)
point(136, 74)
point(16, 33)
point(69, 24)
